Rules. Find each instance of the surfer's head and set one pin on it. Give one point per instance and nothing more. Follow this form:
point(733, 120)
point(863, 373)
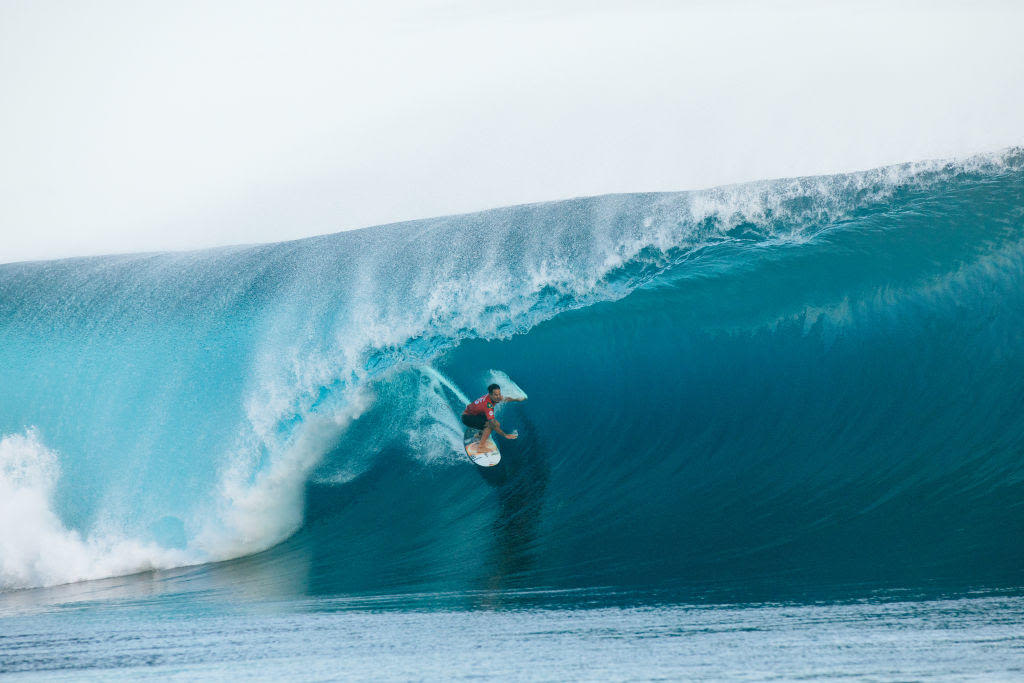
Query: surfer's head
point(495, 393)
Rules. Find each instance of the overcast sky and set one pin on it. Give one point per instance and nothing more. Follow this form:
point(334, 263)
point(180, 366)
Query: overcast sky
point(131, 125)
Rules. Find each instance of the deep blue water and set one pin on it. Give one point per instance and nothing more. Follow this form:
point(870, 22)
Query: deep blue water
point(797, 394)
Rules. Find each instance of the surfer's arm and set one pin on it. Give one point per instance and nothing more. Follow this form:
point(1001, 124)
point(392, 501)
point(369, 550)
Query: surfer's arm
point(496, 427)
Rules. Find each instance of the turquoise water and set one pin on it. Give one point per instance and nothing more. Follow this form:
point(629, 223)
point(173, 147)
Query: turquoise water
point(774, 401)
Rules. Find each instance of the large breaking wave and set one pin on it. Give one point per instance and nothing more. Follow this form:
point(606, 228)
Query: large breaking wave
point(816, 376)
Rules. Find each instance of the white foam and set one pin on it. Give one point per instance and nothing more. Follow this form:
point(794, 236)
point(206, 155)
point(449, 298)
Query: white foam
point(259, 504)
point(36, 549)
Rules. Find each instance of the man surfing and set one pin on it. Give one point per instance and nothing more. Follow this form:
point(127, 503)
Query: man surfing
point(480, 415)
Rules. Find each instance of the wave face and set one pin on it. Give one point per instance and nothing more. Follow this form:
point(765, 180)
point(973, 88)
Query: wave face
point(816, 377)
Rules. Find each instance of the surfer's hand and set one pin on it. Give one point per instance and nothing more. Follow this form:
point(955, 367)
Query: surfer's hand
point(513, 435)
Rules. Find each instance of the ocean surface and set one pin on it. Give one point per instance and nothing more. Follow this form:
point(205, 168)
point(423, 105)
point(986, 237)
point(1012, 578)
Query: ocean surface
point(772, 430)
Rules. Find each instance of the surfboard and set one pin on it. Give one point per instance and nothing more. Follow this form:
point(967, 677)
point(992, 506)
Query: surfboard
point(486, 458)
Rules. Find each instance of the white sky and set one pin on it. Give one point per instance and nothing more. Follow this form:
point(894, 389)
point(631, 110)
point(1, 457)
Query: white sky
point(132, 125)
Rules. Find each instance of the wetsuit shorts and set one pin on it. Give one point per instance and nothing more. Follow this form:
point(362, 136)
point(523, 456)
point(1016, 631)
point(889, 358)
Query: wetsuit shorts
point(474, 421)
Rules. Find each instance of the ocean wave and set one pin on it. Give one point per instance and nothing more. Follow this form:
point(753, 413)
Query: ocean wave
point(789, 351)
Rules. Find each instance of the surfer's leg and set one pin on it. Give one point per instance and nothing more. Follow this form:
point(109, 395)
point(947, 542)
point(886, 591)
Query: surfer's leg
point(477, 423)
point(485, 434)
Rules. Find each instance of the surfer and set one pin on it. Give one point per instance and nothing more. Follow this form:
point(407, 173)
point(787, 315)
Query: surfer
point(480, 415)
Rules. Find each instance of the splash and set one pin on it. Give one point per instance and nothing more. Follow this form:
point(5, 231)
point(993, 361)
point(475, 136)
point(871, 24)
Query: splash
point(36, 549)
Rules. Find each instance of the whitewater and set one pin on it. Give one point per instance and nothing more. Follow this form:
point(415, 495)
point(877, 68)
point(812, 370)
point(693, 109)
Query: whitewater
point(737, 380)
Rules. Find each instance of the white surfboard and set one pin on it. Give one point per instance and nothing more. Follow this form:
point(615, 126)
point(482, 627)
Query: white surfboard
point(489, 457)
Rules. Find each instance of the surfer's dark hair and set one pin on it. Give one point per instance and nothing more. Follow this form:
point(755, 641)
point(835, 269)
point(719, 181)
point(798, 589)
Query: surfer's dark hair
point(492, 388)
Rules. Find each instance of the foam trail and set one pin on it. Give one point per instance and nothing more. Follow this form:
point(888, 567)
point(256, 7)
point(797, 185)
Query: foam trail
point(436, 434)
point(441, 379)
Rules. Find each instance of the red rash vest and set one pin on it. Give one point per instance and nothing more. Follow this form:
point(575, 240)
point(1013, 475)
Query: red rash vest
point(481, 406)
